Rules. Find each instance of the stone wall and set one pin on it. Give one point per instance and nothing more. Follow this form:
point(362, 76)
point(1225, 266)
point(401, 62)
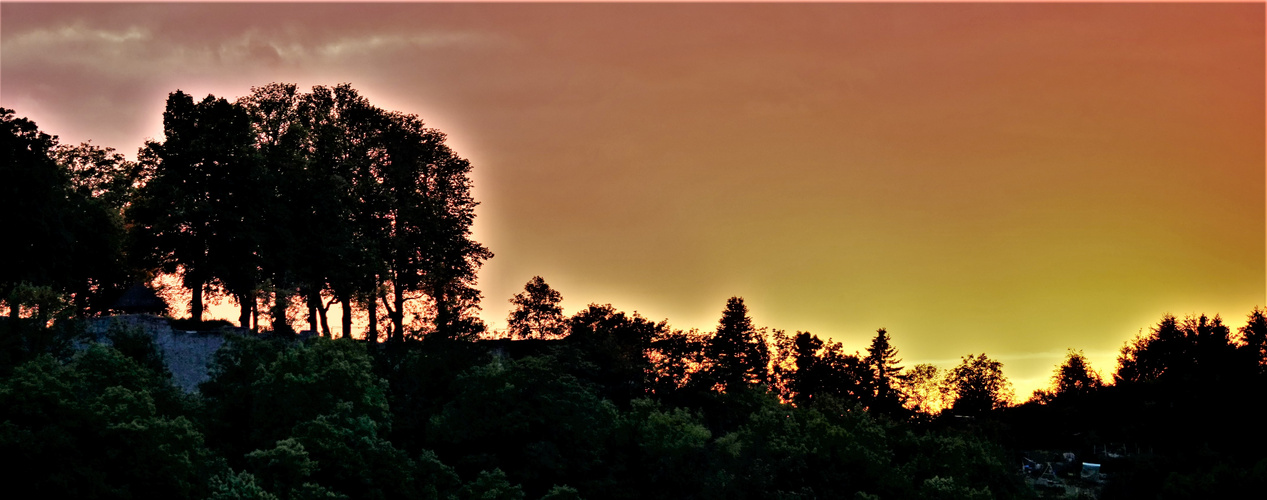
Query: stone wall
point(186, 353)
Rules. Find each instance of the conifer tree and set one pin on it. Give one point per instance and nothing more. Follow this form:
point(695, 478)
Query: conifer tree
point(883, 361)
point(737, 352)
point(1254, 338)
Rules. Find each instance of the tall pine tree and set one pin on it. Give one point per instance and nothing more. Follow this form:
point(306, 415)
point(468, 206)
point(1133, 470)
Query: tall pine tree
point(738, 353)
point(883, 361)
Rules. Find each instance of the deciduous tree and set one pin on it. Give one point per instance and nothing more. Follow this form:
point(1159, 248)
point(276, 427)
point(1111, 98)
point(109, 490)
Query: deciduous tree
point(612, 349)
point(428, 212)
point(99, 172)
point(979, 385)
point(195, 214)
point(537, 312)
point(1073, 378)
point(926, 389)
point(65, 234)
point(32, 197)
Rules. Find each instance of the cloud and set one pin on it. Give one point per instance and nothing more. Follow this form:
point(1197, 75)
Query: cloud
point(138, 51)
point(364, 44)
point(78, 33)
point(96, 65)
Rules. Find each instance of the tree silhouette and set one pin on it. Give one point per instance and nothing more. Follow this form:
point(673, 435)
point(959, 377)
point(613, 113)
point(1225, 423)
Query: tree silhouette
point(428, 212)
point(1074, 378)
point(101, 186)
point(926, 389)
point(848, 376)
point(613, 349)
point(341, 131)
point(190, 215)
point(677, 357)
point(1197, 350)
point(310, 196)
point(809, 368)
point(737, 352)
point(1254, 338)
point(31, 196)
point(64, 240)
point(979, 385)
point(290, 223)
point(99, 172)
point(812, 373)
point(537, 311)
point(882, 358)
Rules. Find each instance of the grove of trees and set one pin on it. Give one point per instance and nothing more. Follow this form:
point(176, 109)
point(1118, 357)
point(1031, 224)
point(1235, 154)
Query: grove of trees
point(281, 198)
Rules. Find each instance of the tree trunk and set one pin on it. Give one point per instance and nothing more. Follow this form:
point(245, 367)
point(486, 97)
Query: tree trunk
point(325, 321)
point(398, 316)
point(281, 302)
point(347, 316)
point(314, 303)
point(245, 304)
point(391, 317)
point(195, 307)
point(372, 335)
point(255, 317)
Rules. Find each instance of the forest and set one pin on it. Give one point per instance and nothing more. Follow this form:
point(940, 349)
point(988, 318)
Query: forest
point(291, 203)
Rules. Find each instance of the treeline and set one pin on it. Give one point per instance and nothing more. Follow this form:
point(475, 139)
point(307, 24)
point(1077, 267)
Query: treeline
point(1179, 417)
point(281, 197)
point(601, 412)
point(798, 368)
point(617, 406)
point(320, 199)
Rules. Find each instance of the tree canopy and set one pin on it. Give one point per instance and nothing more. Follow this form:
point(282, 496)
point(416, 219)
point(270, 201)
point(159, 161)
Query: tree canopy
point(737, 353)
point(1072, 379)
point(66, 233)
point(537, 312)
point(979, 385)
point(294, 197)
point(1194, 350)
point(190, 216)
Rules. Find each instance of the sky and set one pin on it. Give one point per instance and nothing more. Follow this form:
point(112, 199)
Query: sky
point(1008, 179)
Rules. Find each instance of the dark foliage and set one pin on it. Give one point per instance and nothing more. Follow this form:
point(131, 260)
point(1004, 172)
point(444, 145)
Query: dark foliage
point(737, 354)
point(64, 244)
point(883, 361)
point(612, 350)
point(979, 385)
point(537, 312)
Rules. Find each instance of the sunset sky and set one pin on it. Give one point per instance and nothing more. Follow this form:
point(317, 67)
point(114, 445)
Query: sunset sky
point(1013, 179)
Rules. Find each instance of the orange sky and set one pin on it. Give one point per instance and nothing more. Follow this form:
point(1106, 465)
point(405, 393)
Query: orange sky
point(1013, 179)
